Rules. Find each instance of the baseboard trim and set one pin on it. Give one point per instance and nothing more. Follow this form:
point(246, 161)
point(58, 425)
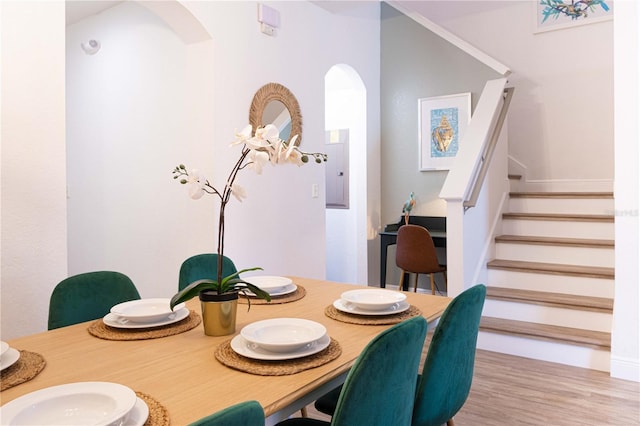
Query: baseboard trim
point(625, 368)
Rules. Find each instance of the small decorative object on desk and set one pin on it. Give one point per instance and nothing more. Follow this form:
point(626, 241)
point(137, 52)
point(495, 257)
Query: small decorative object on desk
point(407, 207)
point(258, 148)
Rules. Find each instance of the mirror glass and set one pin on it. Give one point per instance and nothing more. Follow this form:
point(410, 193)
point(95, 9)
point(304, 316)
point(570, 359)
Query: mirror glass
point(275, 104)
point(276, 113)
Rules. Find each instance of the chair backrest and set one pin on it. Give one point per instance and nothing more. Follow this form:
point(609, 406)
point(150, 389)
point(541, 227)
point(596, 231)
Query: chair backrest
point(446, 377)
point(415, 251)
point(381, 384)
point(248, 413)
point(88, 296)
point(203, 266)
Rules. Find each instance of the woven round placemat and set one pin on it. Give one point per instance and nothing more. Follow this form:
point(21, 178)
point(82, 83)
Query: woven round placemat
point(158, 414)
point(338, 315)
point(275, 300)
point(230, 358)
point(28, 366)
point(99, 329)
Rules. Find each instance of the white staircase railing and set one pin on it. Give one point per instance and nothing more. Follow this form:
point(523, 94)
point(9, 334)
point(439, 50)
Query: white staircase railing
point(479, 179)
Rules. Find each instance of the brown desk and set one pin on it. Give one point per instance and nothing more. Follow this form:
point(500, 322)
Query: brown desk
point(181, 371)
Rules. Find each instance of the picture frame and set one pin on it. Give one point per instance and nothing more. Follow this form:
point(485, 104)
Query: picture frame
point(442, 123)
point(551, 15)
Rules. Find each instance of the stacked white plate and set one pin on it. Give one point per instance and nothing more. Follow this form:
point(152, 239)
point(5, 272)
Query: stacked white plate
point(281, 338)
point(83, 403)
point(145, 313)
point(275, 286)
point(8, 355)
point(372, 301)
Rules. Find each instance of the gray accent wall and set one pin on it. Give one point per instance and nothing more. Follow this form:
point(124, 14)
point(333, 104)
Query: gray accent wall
point(415, 63)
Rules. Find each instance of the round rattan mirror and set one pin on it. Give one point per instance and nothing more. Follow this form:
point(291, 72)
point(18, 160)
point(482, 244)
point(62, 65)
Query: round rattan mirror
point(275, 104)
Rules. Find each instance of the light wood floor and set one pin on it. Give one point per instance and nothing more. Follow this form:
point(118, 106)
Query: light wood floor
point(509, 390)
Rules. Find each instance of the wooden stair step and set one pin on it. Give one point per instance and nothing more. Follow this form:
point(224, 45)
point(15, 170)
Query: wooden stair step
point(605, 195)
point(552, 268)
point(558, 300)
point(603, 218)
point(596, 339)
point(556, 241)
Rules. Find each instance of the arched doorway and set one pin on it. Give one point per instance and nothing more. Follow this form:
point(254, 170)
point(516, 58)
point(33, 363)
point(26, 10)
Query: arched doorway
point(346, 215)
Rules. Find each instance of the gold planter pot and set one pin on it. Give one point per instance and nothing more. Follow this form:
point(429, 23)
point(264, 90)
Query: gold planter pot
point(219, 313)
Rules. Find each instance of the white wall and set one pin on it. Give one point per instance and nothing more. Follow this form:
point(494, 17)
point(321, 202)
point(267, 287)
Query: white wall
point(129, 123)
point(33, 229)
point(279, 226)
point(625, 341)
point(563, 103)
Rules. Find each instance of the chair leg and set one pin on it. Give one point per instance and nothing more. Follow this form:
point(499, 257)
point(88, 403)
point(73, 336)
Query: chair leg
point(433, 284)
point(444, 273)
point(415, 284)
point(303, 412)
point(450, 422)
point(401, 280)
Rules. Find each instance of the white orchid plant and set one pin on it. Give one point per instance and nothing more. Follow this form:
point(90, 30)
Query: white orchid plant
point(258, 149)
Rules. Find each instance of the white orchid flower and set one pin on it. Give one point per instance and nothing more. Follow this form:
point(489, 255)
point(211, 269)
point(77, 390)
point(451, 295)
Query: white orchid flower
point(238, 192)
point(257, 143)
point(243, 136)
point(295, 157)
point(196, 184)
point(276, 152)
point(269, 132)
point(291, 148)
point(257, 160)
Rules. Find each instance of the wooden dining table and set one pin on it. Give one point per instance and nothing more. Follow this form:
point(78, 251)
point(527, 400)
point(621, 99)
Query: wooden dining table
point(181, 371)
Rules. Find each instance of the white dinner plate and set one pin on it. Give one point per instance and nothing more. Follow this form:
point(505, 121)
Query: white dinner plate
point(280, 292)
point(138, 415)
point(372, 299)
point(10, 357)
point(145, 310)
point(344, 306)
point(251, 350)
point(269, 283)
point(113, 320)
point(83, 403)
point(4, 346)
point(283, 335)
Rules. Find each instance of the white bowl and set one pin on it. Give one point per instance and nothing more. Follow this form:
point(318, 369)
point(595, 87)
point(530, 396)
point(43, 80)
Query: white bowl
point(283, 334)
point(84, 403)
point(270, 284)
point(4, 346)
point(373, 299)
point(145, 310)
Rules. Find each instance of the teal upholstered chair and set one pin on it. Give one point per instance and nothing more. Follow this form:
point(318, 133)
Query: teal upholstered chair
point(203, 266)
point(88, 296)
point(444, 384)
point(380, 387)
point(248, 413)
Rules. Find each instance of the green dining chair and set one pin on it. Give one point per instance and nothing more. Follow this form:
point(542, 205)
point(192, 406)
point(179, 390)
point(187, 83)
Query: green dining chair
point(445, 382)
point(381, 384)
point(248, 413)
point(88, 296)
point(203, 266)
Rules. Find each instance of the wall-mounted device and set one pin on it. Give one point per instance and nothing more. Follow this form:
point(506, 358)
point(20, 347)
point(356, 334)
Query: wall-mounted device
point(269, 19)
point(90, 47)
